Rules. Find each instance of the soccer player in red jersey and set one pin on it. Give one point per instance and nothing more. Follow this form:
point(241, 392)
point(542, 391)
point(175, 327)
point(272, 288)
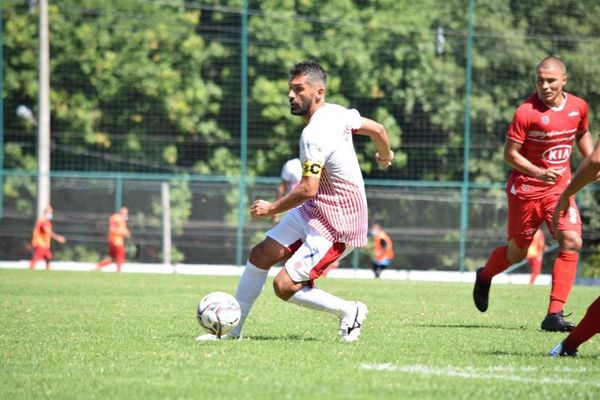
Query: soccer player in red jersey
point(590, 324)
point(117, 232)
point(42, 236)
point(538, 147)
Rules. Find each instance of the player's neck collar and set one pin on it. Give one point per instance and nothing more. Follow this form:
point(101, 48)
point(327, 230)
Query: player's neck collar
point(556, 108)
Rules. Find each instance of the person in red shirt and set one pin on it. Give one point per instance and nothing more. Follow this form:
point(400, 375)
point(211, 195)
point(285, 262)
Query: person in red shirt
point(535, 255)
point(538, 147)
point(589, 171)
point(117, 232)
point(383, 249)
point(42, 236)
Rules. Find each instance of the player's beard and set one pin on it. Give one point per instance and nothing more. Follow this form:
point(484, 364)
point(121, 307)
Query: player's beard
point(300, 108)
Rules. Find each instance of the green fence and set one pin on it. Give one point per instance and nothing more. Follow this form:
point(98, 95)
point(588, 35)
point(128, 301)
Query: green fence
point(194, 93)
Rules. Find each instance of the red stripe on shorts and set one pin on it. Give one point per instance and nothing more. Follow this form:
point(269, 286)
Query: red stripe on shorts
point(334, 252)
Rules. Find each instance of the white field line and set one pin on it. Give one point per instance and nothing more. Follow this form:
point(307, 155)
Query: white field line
point(493, 373)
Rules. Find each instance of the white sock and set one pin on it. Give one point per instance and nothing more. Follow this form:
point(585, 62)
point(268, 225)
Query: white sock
point(249, 288)
point(317, 299)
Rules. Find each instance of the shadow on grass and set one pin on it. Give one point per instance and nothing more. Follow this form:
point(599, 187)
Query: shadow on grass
point(472, 326)
point(295, 338)
point(299, 338)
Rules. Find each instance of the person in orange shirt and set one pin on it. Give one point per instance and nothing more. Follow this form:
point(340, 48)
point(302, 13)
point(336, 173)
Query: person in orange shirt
point(535, 254)
point(117, 232)
point(42, 237)
point(383, 249)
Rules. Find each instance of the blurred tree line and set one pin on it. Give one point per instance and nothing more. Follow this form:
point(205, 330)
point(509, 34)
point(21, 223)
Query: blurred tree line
point(154, 86)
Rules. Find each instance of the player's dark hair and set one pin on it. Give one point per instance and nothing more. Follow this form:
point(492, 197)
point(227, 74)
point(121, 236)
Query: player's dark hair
point(312, 69)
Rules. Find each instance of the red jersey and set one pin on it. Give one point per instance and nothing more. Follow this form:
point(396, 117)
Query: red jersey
point(41, 233)
point(547, 135)
point(117, 230)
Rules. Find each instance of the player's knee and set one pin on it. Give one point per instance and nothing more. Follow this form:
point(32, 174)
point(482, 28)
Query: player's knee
point(571, 243)
point(282, 289)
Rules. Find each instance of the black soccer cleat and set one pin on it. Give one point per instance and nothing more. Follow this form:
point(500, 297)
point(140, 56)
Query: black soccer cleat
point(556, 323)
point(481, 292)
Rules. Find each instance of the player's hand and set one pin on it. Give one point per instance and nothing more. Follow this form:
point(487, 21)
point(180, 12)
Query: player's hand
point(384, 162)
point(261, 209)
point(61, 239)
point(551, 175)
point(561, 209)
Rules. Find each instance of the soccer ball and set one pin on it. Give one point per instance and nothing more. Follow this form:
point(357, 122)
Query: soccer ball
point(218, 313)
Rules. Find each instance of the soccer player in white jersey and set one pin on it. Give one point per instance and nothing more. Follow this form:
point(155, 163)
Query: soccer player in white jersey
point(328, 216)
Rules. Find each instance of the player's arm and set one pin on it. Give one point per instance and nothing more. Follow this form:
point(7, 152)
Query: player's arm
point(281, 189)
point(585, 143)
point(305, 190)
point(379, 136)
point(586, 173)
point(516, 160)
point(57, 237)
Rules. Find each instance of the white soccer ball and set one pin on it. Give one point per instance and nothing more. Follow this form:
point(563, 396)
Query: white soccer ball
point(218, 313)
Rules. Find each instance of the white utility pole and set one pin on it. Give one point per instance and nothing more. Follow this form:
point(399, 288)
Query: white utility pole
point(44, 112)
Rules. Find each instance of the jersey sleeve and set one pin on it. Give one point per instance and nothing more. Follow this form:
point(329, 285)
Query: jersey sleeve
point(354, 120)
point(584, 122)
point(519, 126)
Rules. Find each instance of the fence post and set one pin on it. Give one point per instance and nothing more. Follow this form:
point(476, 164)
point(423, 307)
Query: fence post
point(243, 133)
point(464, 204)
point(166, 217)
point(118, 192)
point(1, 112)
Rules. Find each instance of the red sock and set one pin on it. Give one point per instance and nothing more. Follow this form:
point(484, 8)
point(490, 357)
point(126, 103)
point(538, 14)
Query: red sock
point(104, 262)
point(563, 276)
point(496, 263)
point(588, 327)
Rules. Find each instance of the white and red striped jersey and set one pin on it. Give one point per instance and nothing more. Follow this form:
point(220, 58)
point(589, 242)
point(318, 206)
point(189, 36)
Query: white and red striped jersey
point(339, 210)
point(547, 135)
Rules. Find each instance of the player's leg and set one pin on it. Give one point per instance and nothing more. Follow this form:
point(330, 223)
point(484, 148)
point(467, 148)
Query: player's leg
point(523, 219)
point(564, 271)
point(281, 241)
point(294, 284)
point(47, 258)
point(535, 265)
point(35, 257)
point(112, 253)
point(588, 327)
point(375, 268)
point(253, 278)
point(119, 257)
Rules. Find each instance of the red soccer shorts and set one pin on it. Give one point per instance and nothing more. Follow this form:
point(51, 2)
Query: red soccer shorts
point(526, 216)
point(41, 253)
point(117, 253)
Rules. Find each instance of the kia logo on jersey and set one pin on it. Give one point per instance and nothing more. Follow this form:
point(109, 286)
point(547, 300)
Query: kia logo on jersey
point(557, 154)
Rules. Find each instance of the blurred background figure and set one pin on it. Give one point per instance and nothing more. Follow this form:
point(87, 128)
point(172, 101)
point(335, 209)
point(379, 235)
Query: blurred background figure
point(383, 249)
point(42, 237)
point(291, 175)
point(535, 255)
point(117, 232)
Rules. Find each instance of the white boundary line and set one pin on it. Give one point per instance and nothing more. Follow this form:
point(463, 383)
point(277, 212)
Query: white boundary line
point(232, 270)
point(493, 373)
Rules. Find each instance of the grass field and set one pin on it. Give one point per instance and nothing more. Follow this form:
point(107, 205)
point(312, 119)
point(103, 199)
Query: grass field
point(131, 336)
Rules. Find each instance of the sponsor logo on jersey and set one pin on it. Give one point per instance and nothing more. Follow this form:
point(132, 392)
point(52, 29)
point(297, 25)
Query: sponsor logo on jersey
point(557, 154)
point(545, 119)
point(574, 114)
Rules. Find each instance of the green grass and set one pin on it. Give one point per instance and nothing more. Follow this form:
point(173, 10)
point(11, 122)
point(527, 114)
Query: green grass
point(131, 336)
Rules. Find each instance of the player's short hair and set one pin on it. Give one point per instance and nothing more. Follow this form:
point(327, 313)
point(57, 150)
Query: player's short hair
point(312, 69)
point(552, 60)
